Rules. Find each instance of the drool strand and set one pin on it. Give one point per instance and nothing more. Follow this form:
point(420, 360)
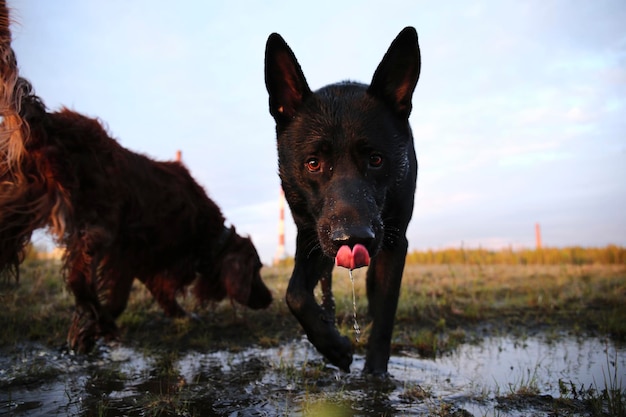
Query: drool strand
point(357, 328)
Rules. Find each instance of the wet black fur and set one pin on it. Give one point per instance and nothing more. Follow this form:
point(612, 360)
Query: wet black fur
point(348, 169)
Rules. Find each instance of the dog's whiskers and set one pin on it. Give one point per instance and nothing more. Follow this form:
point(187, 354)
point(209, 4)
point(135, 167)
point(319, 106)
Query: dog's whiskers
point(312, 245)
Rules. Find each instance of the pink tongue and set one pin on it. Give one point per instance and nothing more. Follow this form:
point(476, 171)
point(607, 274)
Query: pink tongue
point(356, 257)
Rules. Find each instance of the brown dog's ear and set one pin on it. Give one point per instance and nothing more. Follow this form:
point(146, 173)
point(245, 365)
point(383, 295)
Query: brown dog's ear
point(284, 80)
point(396, 76)
point(236, 278)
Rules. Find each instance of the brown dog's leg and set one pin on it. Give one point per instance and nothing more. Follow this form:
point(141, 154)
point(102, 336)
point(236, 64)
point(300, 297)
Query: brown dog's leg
point(164, 289)
point(84, 329)
point(118, 293)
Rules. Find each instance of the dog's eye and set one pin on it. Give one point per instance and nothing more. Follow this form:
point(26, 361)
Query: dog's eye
point(313, 165)
point(376, 160)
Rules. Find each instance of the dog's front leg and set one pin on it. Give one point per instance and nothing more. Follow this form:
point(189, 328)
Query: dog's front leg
point(81, 280)
point(318, 322)
point(384, 277)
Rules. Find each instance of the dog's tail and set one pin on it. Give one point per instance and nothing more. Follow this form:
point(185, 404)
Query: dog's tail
point(24, 198)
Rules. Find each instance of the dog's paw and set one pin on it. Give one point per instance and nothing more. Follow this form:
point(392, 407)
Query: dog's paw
point(356, 257)
point(341, 354)
point(83, 332)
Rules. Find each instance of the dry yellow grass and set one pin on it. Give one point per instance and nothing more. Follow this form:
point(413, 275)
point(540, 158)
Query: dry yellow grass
point(439, 302)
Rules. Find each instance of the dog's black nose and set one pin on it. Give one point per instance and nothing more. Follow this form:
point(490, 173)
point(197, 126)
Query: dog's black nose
point(352, 235)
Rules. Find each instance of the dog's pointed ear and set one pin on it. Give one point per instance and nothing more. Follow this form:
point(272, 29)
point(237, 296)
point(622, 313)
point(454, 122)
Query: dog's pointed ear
point(396, 76)
point(284, 80)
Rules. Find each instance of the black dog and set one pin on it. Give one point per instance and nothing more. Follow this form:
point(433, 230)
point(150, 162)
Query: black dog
point(348, 168)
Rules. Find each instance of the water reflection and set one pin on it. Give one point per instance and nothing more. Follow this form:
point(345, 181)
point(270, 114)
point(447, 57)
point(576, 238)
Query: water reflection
point(292, 379)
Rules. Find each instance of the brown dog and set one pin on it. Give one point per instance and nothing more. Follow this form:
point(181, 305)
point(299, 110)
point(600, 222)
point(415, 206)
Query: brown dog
point(119, 215)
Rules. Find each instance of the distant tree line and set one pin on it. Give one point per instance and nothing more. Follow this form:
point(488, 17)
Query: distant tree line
point(34, 252)
point(574, 255)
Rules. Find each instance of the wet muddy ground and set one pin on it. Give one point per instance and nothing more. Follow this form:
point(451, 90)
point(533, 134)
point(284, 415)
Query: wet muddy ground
point(467, 343)
point(501, 376)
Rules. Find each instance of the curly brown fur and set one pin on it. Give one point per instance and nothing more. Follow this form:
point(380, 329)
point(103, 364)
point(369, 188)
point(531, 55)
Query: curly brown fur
point(120, 215)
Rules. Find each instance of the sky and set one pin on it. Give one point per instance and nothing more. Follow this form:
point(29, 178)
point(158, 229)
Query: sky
point(519, 116)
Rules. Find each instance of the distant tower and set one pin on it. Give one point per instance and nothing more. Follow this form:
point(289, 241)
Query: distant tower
point(179, 156)
point(280, 250)
point(537, 236)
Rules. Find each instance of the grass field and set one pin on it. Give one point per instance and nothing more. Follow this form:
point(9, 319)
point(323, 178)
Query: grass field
point(439, 304)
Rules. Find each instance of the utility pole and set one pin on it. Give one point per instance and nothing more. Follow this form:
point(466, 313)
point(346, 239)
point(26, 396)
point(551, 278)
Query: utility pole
point(537, 236)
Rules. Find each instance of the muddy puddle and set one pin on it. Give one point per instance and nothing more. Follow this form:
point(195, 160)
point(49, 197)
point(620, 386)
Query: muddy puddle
point(501, 376)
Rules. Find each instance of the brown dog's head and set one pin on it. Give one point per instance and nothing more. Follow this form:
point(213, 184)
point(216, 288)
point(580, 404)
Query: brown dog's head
point(236, 273)
point(346, 158)
point(240, 273)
